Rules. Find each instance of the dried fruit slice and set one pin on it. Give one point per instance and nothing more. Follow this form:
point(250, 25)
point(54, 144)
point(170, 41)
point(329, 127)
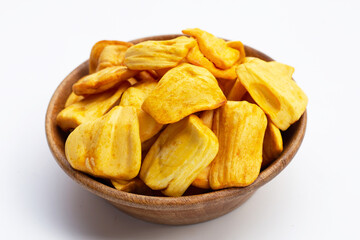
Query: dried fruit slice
point(215, 49)
point(196, 57)
point(102, 80)
point(108, 147)
point(240, 130)
point(237, 91)
point(272, 88)
point(97, 50)
point(135, 96)
point(111, 55)
point(183, 90)
point(134, 185)
point(238, 46)
point(90, 108)
point(207, 118)
point(180, 153)
point(202, 180)
point(273, 144)
point(153, 55)
point(73, 98)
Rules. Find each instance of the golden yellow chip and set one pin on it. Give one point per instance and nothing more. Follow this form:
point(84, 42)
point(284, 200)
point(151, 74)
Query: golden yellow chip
point(273, 144)
point(271, 86)
point(108, 147)
point(183, 90)
point(215, 49)
point(240, 131)
point(97, 50)
point(102, 80)
point(73, 98)
point(153, 55)
point(197, 58)
point(135, 96)
point(112, 55)
point(90, 108)
point(180, 153)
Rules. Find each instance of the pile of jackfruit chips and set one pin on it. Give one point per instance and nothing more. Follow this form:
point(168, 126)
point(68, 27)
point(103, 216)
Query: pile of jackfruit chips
point(165, 115)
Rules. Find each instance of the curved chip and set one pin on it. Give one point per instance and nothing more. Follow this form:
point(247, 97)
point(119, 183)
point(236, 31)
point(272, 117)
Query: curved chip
point(154, 55)
point(111, 55)
point(215, 49)
point(240, 128)
point(273, 144)
point(102, 80)
point(108, 147)
point(196, 57)
point(183, 90)
point(97, 50)
point(135, 96)
point(90, 108)
point(271, 86)
point(180, 153)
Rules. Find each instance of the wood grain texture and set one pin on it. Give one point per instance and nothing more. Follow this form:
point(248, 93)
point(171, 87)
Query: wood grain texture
point(165, 210)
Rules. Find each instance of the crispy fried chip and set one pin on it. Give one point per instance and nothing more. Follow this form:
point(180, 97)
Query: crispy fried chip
point(108, 147)
point(134, 185)
point(238, 46)
point(196, 57)
point(102, 80)
point(90, 108)
point(97, 50)
point(273, 144)
point(271, 86)
point(111, 55)
point(73, 98)
point(215, 49)
point(237, 91)
point(240, 128)
point(180, 153)
point(183, 90)
point(153, 55)
point(135, 96)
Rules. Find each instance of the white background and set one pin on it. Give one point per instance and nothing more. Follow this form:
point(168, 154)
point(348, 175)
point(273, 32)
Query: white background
point(316, 197)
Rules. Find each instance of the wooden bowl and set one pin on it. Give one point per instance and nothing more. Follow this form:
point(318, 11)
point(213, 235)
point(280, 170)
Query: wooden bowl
point(165, 210)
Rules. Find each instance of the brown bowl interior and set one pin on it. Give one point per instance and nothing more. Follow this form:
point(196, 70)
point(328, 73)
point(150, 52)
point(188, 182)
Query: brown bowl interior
point(166, 210)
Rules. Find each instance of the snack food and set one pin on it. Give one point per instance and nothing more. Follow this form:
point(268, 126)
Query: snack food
point(189, 113)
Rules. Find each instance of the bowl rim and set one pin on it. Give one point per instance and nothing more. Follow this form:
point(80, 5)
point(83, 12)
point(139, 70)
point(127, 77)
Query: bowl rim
point(159, 202)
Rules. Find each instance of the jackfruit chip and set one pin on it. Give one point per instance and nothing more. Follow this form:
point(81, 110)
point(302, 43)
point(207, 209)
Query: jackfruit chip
point(196, 57)
point(97, 50)
point(238, 46)
point(111, 55)
point(183, 90)
point(273, 144)
point(102, 80)
point(90, 108)
point(146, 145)
point(135, 96)
point(202, 180)
point(180, 153)
point(271, 86)
point(73, 98)
point(153, 55)
point(237, 91)
point(215, 49)
point(144, 76)
point(107, 147)
point(207, 117)
point(240, 131)
point(134, 185)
